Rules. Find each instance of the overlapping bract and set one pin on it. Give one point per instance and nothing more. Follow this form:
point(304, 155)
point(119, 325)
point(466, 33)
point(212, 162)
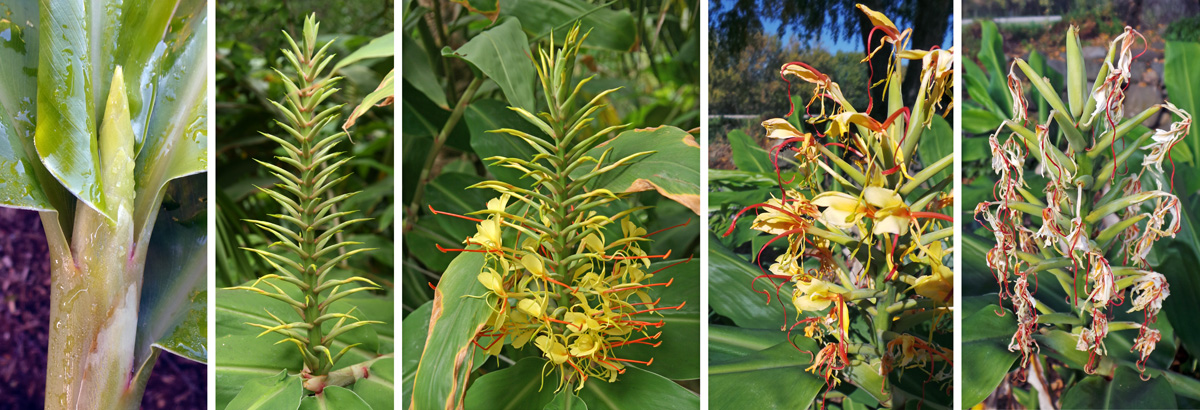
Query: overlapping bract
point(307, 230)
point(866, 242)
point(1085, 209)
point(554, 277)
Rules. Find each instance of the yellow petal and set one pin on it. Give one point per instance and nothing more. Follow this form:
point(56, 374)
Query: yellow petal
point(839, 208)
point(877, 18)
point(534, 265)
point(530, 307)
point(491, 280)
point(779, 128)
point(840, 124)
point(879, 197)
point(811, 302)
point(805, 73)
point(892, 225)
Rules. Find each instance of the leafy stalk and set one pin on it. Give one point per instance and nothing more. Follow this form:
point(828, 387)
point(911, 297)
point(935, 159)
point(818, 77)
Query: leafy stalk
point(1093, 222)
point(554, 278)
point(307, 250)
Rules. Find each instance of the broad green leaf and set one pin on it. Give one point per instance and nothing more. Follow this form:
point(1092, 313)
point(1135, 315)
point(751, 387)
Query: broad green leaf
point(1126, 390)
point(277, 392)
point(335, 398)
point(501, 52)
point(974, 149)
point(454, 320)
point(771, 378)
point(518, 387)
point(976, 82)
point(678, 357)
point(985, 346)
point(1181, 255)
point(236, 308)
point(379, 387)
point(418, 72)
point(67, 108)
point(728, 343)
point(172, 313)
point(488, 8)
point(1061, 346)
point(637, 389)
point(166, 77)
point(24, 180)
point(379, 47)
point(977, 121)
point(566, 400)
point(730, 295)
point(487, 115)
point(241, 359)
point(415, 329)
point(747, 155)
point(609, 28)
point(381, 97)
point(1181, 74)
point(673, 167)
point(937, 142)
point(991, 56)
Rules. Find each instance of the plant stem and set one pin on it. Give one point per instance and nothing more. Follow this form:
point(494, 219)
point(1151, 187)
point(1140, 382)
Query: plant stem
point(438, 142)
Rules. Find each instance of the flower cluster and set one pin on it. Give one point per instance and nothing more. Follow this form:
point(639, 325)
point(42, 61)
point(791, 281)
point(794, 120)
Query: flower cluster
point(1085, 209)
point(867, 243)
point(554, 275)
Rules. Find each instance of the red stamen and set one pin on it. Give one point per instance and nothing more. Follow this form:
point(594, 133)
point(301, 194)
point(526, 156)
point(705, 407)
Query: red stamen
point(647, 363)
point(437, 212)
point(668, 228)
point(639, 286)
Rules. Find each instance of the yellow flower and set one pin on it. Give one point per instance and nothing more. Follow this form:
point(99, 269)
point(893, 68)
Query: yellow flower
point(780, 217)
point(492, 280)
point(882, 205)
point(584, 345)
point(531, 307)
point(534, 265)
point(487, 235)
point(552, 349)
point(938, 285)
point(631, 230)
point(877, 18)
point(580, 322)
point(840, 124)
point(812, 295)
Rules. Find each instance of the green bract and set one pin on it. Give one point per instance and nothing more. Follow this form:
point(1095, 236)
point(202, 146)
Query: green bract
point(102, 120)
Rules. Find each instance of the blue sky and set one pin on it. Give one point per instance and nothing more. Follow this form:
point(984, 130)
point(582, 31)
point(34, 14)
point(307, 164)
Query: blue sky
point(827, 40)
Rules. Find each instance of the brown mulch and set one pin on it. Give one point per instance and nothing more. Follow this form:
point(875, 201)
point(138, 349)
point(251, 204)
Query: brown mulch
point(176, 383)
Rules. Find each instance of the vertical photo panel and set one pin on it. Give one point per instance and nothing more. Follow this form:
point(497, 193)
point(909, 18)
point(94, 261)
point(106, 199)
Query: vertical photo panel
point(305, 205)
point(551, 176)
point(1079, 163)
point(830, 205)
point(103, 147)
